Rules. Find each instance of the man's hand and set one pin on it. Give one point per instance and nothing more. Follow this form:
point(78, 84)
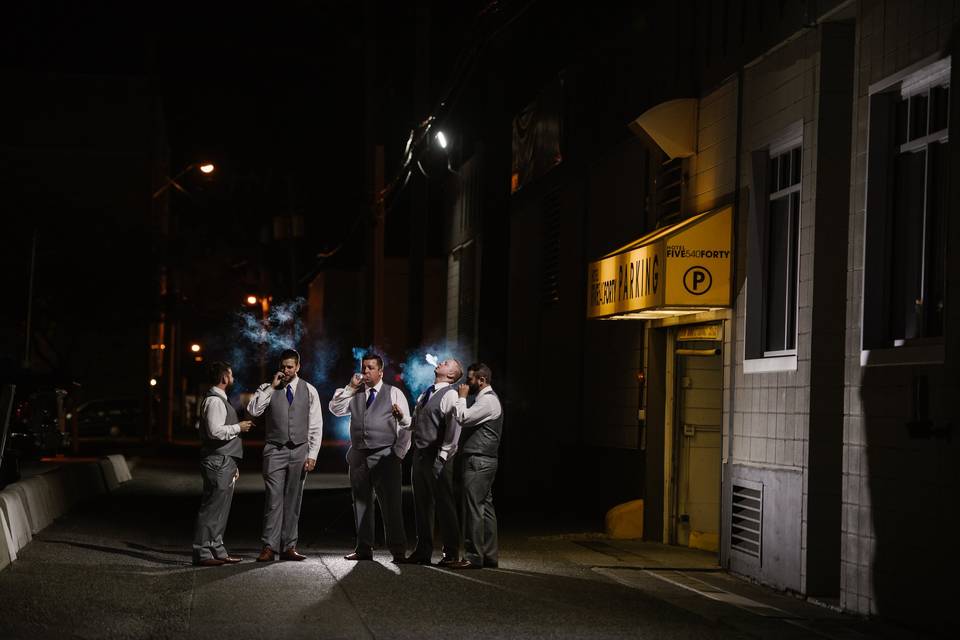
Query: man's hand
point(463, 390)
point(397, 412)
point(438, 467)
point(309, 464)
point(246, 425)
point(278, 379)
point(356, 381)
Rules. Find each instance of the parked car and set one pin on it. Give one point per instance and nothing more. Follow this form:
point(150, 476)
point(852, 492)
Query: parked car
point(109, 418)
point(37, 426)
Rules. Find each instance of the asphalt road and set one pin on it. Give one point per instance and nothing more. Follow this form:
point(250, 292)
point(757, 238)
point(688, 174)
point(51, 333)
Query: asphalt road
point(120, 568)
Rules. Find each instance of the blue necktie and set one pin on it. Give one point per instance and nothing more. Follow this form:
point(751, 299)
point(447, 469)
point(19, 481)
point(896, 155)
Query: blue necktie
point(426, 397)
point(289, 395)
point(373, 396)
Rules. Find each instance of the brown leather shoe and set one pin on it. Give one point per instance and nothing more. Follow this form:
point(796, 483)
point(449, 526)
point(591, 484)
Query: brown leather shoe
point(358, 556)
point(208, 562)
point(291, 554)
point(446, 561)
point(267, 555)
point(232, 559)
point(461, 564)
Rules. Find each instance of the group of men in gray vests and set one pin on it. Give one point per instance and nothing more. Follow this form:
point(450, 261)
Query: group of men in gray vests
point(454, 430)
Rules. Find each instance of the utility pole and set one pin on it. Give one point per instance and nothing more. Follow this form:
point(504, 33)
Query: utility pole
point(420, 195)
point(33, 266)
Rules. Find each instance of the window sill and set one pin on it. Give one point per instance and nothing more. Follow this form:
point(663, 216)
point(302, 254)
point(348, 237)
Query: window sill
point(769, 365)
point(907, 354)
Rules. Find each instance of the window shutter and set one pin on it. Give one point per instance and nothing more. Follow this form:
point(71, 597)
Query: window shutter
point(756, 255)
point(877, 258)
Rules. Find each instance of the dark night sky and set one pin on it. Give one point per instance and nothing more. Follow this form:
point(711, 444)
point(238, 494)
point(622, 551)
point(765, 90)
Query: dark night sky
point(273, 93)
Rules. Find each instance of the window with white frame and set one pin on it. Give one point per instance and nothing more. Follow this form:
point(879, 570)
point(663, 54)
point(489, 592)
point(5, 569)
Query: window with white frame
point(783, 231)
point(908, 181)
point(773, 256)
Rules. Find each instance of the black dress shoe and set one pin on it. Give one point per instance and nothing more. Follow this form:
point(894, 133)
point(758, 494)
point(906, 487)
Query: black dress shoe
point(358, 556)
point(208, 562)
point(446, 560)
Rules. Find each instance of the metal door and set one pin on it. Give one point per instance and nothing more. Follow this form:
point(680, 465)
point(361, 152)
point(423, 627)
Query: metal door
point(699, 403)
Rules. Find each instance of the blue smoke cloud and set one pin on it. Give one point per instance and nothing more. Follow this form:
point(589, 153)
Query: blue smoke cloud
point(282, 328)
point(337, 428)
point(359, 352)
point(418, 368)
point(254, 337)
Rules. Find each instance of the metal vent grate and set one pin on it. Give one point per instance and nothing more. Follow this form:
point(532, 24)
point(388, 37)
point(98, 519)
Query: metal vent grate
point(550, 286)
point(746, 518)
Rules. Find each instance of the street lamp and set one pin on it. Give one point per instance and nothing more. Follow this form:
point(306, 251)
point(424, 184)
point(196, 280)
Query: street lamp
point(206, 168)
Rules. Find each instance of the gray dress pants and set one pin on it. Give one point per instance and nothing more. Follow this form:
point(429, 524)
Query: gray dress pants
point(217, 472)
point(376, 475)
point(479, 517)
point(434, 495)
point(283, 479)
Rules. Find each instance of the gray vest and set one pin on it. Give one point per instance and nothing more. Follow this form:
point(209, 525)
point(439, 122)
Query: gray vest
point(482, 439)
point(289, 423)
point(429, 424)
point(210, 446)
point(372, 428)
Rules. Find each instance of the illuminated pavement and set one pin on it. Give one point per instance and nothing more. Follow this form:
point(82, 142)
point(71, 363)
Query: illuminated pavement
point(121, 568)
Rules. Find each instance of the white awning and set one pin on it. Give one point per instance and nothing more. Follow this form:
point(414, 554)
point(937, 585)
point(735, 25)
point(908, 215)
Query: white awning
point(672, 125)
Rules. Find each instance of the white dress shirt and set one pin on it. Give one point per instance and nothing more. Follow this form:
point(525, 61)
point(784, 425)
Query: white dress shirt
point(487, 407)
point(261, 400)
point(340, 406)
point(212, 417)
point(452, 433)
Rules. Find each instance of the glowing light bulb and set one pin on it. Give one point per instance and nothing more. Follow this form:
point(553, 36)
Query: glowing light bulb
point(153, 382)
point(195, 348)
point(441, 140)
point(207, 168)
point(251, 300)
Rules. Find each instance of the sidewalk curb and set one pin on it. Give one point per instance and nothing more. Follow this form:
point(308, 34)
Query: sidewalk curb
point(29, 506)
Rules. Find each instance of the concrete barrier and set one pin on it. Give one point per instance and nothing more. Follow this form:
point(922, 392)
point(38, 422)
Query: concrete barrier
point(115, 471)
point(625, 521)
point(7, 552)
point(121, 467)
point(28, 506)
point(55, 484)
point(36, 498)
point(16, 515)
point(110, 480)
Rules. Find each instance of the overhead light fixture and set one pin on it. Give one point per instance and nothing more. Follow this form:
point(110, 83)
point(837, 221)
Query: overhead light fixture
point(441, 140)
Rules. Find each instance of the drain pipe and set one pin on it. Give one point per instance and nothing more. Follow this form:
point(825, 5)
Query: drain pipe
point(731, 401)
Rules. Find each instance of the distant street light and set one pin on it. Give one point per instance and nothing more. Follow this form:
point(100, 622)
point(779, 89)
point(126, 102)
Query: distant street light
point(252, 300)
point(205, 168)
point(195, 348)
point(441, 140)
